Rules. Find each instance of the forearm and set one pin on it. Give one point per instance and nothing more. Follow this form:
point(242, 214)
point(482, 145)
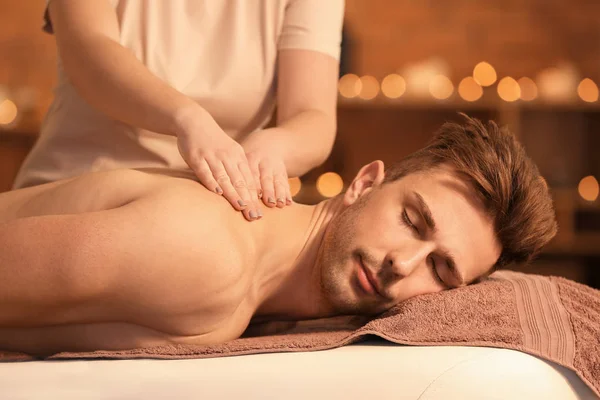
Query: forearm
point(306, 140)
point(111, 79)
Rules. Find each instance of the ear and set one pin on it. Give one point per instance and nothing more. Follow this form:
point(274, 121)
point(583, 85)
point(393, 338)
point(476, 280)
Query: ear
point(369, 176)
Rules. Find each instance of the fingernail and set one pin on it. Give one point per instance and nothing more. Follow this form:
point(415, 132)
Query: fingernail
point(252, 214)
point(218, 190)
point(271, 200)
point(260, 214)
point(241, 203)
point(280, 200)
point(289, 201)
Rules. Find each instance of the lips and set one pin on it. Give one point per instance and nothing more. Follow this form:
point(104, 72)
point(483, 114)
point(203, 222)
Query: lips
point(367, 280)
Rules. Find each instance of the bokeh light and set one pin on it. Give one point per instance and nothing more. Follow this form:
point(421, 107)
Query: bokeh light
point(587, 90)
point(484, 74)
point(393, 86)
point(330, 184)
point(8, 112)
point(441, 87)
point(370, 87)
point(295, 185)
point(349, 86)
point(588, 188)
point(528, 89)
point(469, 89)
point(557, 84)
point(509, 89)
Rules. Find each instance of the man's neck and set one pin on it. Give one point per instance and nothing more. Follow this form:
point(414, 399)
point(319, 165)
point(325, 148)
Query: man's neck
point(287, 279)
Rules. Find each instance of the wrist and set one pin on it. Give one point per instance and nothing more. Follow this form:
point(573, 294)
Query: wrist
point(280, 140)
point(271, 140)
point(189, 118)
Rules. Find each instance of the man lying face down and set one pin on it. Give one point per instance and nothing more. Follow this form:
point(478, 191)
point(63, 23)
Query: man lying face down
point(127, 259)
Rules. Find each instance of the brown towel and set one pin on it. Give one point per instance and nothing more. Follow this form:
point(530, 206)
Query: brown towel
point(549, 317)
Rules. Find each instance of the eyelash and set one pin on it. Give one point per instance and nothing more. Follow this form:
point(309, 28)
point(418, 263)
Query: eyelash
point(408, 222)
point(436, 275)
point(412, 226)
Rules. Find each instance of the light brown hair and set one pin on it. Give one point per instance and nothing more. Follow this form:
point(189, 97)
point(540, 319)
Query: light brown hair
point(495, 165)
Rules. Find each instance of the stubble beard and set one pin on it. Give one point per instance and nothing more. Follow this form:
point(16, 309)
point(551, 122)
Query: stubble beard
point(336, 259)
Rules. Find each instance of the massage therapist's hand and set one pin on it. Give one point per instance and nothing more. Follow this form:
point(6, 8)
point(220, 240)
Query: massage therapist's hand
point(218, 161)
point(264, 150)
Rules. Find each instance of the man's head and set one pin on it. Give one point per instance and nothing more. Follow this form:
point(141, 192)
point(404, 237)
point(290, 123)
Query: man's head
point(445, 216)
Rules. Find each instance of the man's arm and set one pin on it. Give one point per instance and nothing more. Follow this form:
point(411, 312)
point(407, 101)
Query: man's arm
point(49, 268)
point(165, 255)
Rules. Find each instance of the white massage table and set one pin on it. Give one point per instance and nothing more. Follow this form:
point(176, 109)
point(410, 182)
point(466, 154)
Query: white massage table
point(369, 370)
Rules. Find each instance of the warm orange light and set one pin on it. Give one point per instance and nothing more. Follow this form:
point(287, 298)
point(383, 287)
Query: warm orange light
point(508, 89)
point(393, 86)
point(441, 87)
point(295, 185)
point(330, 184)
point(349, 86)
point(469, 89)
point(26, 97)
point(557, 84)
point(588, 188)
point(484, 74)
point(528, 89)
point(8, 112)
point(587, 90)
point(370, 88)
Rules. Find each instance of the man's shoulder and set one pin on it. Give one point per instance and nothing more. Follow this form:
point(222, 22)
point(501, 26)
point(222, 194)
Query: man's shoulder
point(179, 192)
point(185, 260)
point(184, 204)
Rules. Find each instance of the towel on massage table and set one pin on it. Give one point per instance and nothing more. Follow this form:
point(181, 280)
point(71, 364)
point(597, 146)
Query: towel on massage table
point(549, 317)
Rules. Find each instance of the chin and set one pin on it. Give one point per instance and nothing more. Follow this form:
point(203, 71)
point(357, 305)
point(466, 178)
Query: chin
point(336, 288)
point(345, 299)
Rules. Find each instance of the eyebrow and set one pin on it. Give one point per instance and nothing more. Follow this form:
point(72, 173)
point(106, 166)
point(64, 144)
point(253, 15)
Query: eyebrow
point(430, 222)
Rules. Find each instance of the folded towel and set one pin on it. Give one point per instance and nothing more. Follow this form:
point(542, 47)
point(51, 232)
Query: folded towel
point(549, 317)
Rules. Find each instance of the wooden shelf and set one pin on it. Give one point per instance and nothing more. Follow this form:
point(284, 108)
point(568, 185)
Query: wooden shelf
point(580, 245)
point(485, 103)
point(27, 125)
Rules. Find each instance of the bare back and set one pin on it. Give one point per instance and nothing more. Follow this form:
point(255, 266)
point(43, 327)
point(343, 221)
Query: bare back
point(121, 259)
point(97, 191)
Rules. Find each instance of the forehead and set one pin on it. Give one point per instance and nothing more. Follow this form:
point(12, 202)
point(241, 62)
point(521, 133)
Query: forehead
point(463, 228)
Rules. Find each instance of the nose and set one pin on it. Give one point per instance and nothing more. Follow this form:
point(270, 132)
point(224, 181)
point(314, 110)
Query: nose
point(412, 255)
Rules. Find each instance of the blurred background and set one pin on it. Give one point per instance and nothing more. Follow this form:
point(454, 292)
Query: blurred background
point(408, 66)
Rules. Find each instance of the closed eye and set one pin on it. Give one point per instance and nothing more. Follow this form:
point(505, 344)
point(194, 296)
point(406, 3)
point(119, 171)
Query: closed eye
point(408, 222)
point(436, 275)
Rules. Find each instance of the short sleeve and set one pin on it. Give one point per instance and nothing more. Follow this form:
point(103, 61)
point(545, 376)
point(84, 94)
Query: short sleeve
point(313, 25)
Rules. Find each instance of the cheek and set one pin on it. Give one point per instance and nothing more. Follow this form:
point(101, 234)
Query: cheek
point(374, 227)
point(383, 226)
point(339, 241)
point(343, 236)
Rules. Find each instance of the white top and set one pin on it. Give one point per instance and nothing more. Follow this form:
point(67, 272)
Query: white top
point(221, 53)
